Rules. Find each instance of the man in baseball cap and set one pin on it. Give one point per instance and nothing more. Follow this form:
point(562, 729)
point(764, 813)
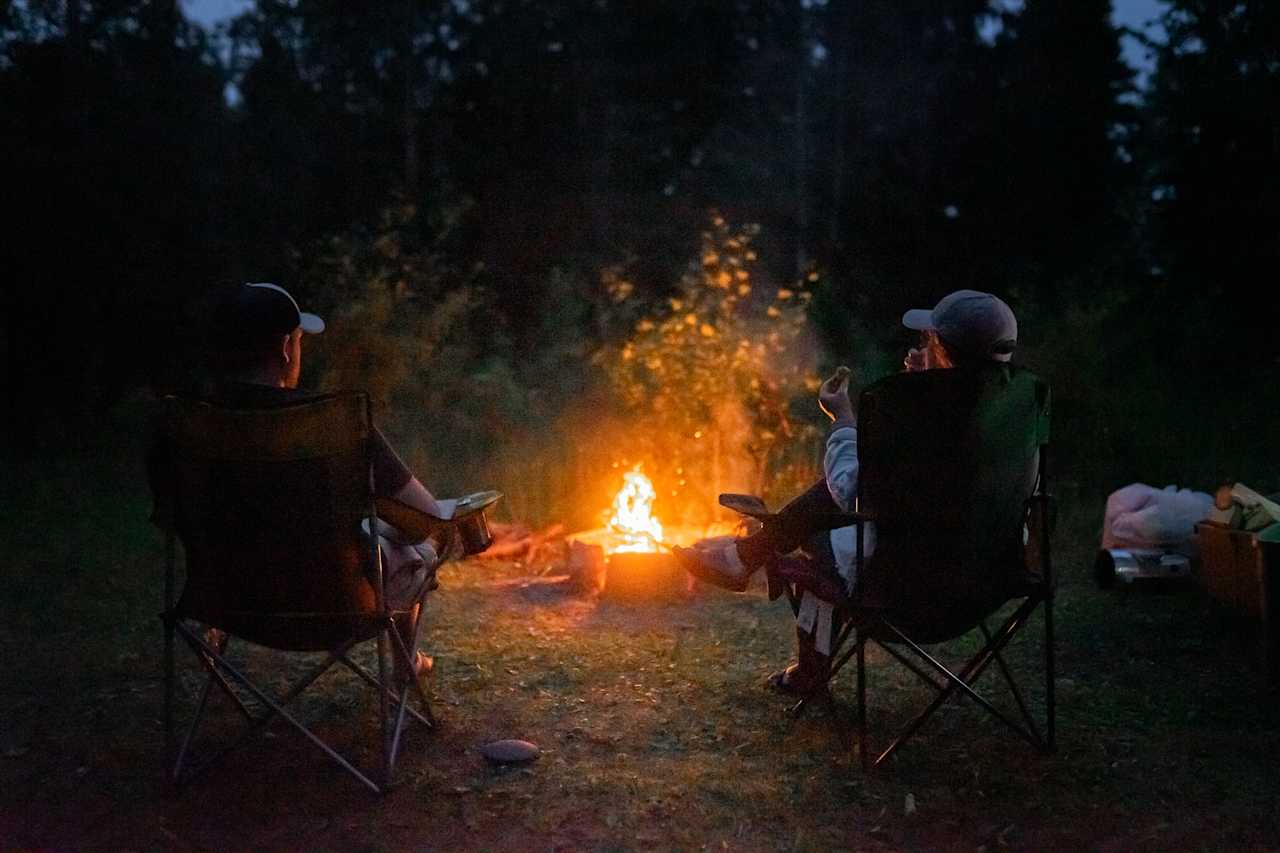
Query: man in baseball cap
point(257, 334)
point(256, 331)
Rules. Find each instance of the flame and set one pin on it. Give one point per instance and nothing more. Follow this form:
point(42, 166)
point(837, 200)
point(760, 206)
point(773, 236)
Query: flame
point(633, 516)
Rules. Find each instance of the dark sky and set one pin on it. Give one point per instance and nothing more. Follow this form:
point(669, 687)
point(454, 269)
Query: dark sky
point(1130, 12)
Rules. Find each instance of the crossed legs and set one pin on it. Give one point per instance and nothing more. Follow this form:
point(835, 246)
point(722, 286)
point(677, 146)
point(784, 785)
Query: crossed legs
point(731, 564)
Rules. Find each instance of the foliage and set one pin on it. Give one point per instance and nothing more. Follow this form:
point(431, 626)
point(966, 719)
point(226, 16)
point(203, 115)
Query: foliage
point(413, 330)
point(710, 376)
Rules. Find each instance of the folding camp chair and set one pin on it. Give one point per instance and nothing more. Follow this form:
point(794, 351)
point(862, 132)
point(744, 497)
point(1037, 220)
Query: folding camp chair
point(268, 505)
point(953, 474)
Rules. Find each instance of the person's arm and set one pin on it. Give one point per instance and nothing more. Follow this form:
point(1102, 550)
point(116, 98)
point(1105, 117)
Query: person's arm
point(840, 463)
point(414, 494)
point(393, 479)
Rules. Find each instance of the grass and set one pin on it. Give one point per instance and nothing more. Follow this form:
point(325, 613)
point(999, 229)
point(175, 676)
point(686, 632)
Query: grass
point(655, 728)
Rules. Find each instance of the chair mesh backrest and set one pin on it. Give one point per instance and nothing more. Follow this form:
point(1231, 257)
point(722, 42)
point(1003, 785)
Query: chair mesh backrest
point(947, 461)
point(268, 504)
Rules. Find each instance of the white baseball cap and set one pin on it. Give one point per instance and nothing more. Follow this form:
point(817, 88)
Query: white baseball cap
point(970, 322)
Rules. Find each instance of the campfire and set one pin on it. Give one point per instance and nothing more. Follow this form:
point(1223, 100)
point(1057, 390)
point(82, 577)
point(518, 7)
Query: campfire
point(633, 519)
point(630, 558)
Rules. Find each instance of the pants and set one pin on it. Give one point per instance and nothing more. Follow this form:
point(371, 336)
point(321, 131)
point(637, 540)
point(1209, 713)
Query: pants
point(792, 527)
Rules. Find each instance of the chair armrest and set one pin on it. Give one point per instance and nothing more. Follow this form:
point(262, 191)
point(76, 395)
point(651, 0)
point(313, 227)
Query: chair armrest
point(1041, 512)
point(1041, 518)
point(414, 524)
point(752, 506)
point(835, 520)
point(745, 504)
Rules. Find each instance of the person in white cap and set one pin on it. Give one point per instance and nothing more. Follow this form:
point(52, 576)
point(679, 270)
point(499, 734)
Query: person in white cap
point(965, 328)
point(256, 347)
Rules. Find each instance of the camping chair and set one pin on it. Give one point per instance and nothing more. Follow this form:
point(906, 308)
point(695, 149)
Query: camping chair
point(268, 504)
point(953, 473)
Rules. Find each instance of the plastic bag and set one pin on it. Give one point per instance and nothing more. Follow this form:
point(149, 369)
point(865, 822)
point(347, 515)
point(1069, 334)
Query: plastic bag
point(1141, 516)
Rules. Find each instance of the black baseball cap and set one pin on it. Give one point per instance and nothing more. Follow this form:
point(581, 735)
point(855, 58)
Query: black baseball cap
point(257, 310)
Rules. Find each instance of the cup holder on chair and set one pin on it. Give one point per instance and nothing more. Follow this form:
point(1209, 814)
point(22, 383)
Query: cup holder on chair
point(469, 517)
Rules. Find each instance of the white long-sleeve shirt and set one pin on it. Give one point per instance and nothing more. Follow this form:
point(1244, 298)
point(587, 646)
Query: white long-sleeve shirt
point(840, 465)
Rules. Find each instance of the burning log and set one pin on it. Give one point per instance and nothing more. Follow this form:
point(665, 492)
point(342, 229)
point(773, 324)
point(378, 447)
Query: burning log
point(644, 576)
point(630, 559)
point(517, 542)
point(586, 567)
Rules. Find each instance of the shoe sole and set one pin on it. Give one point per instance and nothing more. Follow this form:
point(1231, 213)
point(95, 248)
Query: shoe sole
point(695, 567)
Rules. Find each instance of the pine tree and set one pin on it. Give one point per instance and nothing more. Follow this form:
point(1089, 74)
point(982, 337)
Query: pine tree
point(1214, 114)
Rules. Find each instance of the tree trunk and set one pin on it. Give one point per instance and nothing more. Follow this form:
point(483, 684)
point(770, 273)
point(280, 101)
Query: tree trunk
point(842, 28)
point(75, 32)
point(410, 103)
point(801, 148)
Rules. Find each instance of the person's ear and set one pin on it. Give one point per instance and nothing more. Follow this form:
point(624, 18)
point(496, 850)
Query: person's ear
point(284, 348)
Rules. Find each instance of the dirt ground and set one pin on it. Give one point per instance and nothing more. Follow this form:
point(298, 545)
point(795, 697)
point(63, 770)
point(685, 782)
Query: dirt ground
point(655, 727)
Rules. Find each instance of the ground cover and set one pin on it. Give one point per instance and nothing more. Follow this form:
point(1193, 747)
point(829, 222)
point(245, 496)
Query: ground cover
point(656, 730)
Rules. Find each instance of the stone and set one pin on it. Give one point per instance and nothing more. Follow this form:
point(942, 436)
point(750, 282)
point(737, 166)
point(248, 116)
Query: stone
point(510, 751)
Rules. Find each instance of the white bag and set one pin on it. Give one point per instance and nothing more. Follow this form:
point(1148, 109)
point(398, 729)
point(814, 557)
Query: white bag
point(1140, 516)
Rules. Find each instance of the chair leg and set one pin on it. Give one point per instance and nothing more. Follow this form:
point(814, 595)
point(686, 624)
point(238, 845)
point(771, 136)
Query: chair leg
point(863, 746)
point(276, 709)
point(392, 695)
point(208, 661)
point(167, 618)
point(964, 681)
point(384, 711)
point(1013, 687)
point(402, 703)
point(1050, 696)
point(201, 704)
point(911, 665)
point(170, 676)
point(417, 636)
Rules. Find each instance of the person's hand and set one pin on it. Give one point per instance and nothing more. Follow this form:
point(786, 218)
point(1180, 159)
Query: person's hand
point(833, 395)
point(917, 359)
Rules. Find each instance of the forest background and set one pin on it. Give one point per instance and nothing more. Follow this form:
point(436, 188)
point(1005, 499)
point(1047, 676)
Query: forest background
point(554, 239)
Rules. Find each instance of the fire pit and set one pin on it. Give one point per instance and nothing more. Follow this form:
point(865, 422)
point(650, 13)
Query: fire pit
point(630, 558)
